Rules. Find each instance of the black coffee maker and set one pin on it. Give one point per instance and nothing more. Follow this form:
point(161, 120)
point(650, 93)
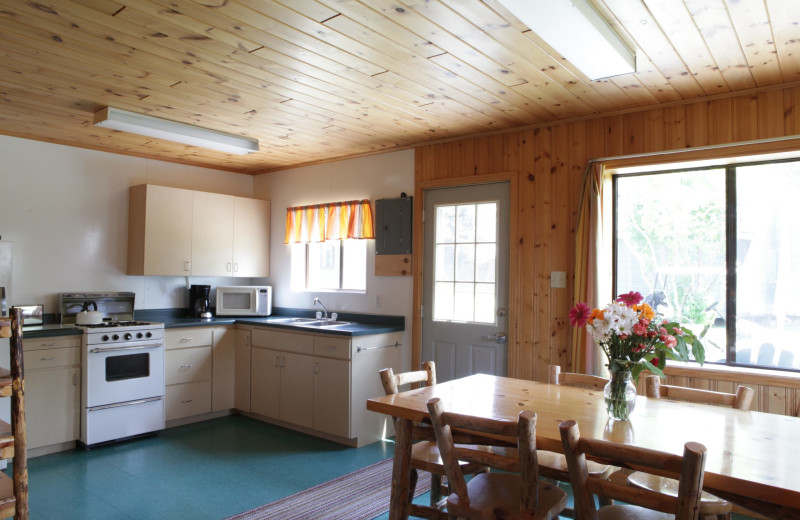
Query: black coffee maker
point(199, 302)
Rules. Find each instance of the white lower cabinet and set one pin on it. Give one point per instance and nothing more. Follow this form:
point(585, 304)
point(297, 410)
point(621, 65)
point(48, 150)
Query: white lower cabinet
point(52, 390)
point(320, 382)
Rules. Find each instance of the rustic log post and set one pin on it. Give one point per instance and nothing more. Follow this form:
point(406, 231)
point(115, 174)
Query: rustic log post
point(20, 468)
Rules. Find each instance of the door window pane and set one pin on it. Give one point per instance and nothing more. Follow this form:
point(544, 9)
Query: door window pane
point(487, 222)
point(465, 262)
point(465, 223)
point(445, 262)
point(445, 224)
point(465, 253)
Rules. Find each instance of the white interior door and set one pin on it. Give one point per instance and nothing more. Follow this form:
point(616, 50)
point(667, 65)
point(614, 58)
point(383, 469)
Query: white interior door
point(465, 280)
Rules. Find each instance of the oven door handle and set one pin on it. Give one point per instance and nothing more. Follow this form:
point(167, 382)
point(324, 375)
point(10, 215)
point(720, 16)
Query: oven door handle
point(126, 403)
point(132, 347)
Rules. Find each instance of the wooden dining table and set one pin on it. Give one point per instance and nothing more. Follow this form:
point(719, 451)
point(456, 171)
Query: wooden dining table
point(752, 458)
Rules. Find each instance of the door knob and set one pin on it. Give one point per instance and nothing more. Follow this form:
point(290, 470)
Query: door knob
point(500, 337)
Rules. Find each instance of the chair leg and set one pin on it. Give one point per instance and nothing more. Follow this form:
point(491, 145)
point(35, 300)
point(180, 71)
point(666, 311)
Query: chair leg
point(604, 501)
point(436, 489)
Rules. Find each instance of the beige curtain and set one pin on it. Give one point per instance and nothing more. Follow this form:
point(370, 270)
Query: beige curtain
point(331, 221)
point(592, 262)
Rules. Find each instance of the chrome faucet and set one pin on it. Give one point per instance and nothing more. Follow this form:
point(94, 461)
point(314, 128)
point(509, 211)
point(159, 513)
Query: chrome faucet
point(316, 301)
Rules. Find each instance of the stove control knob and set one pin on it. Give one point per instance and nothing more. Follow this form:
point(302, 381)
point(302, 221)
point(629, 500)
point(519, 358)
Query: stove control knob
point(139, 335)
point(105, 337)
point(128, 335)
point(148, 334)
point(115, 337)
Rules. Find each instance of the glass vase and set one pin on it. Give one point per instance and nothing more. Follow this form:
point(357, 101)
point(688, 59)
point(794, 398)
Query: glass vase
point(620, 395)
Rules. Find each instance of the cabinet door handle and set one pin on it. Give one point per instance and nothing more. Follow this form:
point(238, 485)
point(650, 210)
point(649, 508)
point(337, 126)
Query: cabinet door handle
point(184, 367)
point(187, 401)
point(236, 267)
point(275, 361)
point(283, 361)
point(316, 368)
point(186, 340)
point(74, 379)
point(330, 347)
point(228, 267)
point(48, 344)
point(187, 266)
point(48, 358)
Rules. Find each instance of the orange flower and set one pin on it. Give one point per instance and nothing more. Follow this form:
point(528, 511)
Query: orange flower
point(597, 314)
point(645, 311)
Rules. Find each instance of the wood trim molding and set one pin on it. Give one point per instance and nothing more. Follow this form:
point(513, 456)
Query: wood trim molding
point(418, 255)
point(743, 375)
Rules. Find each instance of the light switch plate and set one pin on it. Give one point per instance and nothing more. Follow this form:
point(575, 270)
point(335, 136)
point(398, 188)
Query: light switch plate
point(558, 279)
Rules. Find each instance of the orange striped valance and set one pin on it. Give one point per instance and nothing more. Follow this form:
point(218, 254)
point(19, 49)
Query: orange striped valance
point(331, 221)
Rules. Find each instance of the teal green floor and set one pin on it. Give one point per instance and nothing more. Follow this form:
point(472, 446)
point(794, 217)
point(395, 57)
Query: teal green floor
point(209, 470)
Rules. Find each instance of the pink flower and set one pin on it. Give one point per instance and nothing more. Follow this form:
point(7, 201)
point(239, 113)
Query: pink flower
point(640, 328)
point(654, 361)
point(671, 342)
point(630, 299)
point(678, 331)
point(579, 315)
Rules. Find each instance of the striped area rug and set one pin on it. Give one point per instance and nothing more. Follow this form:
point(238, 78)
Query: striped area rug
point(361, 495)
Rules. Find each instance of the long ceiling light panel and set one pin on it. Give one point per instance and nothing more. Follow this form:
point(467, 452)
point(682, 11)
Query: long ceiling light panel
point(134, 123)
point(576, 31)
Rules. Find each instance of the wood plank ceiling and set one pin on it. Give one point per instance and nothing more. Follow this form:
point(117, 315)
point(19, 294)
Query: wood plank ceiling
point(317, 80)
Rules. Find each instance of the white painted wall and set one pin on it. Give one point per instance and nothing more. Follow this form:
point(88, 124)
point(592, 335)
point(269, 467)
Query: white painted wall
point(373, 177)
point(66, 212)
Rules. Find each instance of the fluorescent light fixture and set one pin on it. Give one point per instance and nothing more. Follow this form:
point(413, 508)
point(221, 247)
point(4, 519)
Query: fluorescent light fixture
point(577, 32)
point(134, 123)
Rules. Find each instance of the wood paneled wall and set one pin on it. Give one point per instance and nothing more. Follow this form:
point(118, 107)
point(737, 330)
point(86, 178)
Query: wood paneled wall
point(550, 162)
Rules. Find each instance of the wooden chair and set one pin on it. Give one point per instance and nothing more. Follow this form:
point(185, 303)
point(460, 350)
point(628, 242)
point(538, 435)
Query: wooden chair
point(495, 496)
point(710, 506)
point(645, 504)
point(554, 465)
point(425, 453)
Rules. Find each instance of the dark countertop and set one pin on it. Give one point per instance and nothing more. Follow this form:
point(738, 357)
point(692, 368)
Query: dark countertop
point(360, 324)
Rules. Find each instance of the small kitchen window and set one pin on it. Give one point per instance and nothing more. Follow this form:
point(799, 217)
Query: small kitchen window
point(329, 250)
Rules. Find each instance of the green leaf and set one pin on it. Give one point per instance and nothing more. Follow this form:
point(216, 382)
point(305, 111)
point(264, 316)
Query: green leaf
point(698, 351)
point(681, 350)
point(636, 370)
point(654, 369)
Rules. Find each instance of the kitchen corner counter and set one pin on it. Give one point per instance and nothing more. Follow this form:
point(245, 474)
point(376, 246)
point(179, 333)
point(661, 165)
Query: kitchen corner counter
point(360, 324)
point(46, 331)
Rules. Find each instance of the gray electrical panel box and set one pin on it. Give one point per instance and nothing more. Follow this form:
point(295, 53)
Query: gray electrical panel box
point(393, 226)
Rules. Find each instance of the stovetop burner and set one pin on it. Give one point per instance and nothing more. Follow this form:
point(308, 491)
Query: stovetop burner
point(117, 324)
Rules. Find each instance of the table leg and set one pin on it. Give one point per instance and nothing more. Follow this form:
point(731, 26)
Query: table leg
point(401, 471)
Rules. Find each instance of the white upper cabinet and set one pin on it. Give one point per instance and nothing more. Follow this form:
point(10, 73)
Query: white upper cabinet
point(160, 231)
point(212, 235)
point(250, 237)
point(177, 232)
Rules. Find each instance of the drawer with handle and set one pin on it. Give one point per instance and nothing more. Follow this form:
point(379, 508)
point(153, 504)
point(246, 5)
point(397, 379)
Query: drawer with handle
point(54, 357)
point(51, 342)
point(328, 346)
point(187, 364)
point(187, 399)
point(185, 338)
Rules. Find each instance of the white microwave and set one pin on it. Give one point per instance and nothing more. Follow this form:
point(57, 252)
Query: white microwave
point(244, 300)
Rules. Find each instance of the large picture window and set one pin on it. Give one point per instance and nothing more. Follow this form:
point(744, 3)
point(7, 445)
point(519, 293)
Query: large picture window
point(717, 249)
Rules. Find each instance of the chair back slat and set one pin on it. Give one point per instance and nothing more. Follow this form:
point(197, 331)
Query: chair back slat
point(557, 377)
point(741, 400)
point(392, 382)
point(688, 469)
point(487, 432)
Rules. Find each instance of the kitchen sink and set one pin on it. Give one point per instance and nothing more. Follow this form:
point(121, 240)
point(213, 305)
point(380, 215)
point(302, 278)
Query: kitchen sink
point(292, 321)
point(308, 322)
point(324, 323)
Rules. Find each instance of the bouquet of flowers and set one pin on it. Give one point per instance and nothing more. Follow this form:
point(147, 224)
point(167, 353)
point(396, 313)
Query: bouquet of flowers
point(635, 338)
